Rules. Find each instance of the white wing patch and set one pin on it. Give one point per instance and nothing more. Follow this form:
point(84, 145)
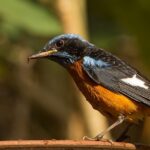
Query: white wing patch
point(134, 81)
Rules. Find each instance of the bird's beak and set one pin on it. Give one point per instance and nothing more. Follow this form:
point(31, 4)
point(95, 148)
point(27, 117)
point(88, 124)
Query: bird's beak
point(42, 54)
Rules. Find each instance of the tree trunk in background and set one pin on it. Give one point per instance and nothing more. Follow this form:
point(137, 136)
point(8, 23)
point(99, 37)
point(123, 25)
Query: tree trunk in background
point(73, 17)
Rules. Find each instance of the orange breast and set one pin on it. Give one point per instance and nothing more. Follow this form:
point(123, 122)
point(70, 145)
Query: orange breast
point(107, 102)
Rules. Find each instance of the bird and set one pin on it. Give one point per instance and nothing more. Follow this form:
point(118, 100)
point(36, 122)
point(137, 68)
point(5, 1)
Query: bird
point(109, 84)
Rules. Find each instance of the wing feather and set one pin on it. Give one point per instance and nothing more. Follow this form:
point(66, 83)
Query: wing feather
point(110, 77)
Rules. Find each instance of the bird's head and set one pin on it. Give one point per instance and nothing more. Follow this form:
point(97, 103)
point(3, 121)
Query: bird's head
point(64, 49)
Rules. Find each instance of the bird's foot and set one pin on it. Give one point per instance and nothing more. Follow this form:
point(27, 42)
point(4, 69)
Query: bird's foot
point(89, 138)
point(97, 138)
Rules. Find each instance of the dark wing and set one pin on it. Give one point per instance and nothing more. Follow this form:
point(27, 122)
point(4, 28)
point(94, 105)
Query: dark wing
point(108, 71)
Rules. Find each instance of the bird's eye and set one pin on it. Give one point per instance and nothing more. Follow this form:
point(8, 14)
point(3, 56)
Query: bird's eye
point(60, 43)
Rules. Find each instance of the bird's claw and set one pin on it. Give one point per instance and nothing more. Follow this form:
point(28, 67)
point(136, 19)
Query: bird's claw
point(97, 138)
point(89, 138)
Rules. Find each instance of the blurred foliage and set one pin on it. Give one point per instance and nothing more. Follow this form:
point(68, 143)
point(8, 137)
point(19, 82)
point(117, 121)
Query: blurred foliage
point(34, 101)
point(24, 23)
point(114, 19)
point(25, 15)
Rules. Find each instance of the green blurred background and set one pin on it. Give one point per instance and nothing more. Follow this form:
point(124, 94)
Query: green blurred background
point(39, 100)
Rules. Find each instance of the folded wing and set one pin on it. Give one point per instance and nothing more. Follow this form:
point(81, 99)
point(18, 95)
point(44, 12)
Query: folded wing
point(114, 74)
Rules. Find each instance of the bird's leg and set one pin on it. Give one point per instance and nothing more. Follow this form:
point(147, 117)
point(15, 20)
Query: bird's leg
point(99, 137)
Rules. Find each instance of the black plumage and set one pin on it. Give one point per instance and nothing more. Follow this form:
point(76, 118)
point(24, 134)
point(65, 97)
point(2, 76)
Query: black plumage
point(110, 76)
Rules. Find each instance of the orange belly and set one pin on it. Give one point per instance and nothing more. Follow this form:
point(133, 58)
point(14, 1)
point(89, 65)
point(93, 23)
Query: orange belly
point(107, 102)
